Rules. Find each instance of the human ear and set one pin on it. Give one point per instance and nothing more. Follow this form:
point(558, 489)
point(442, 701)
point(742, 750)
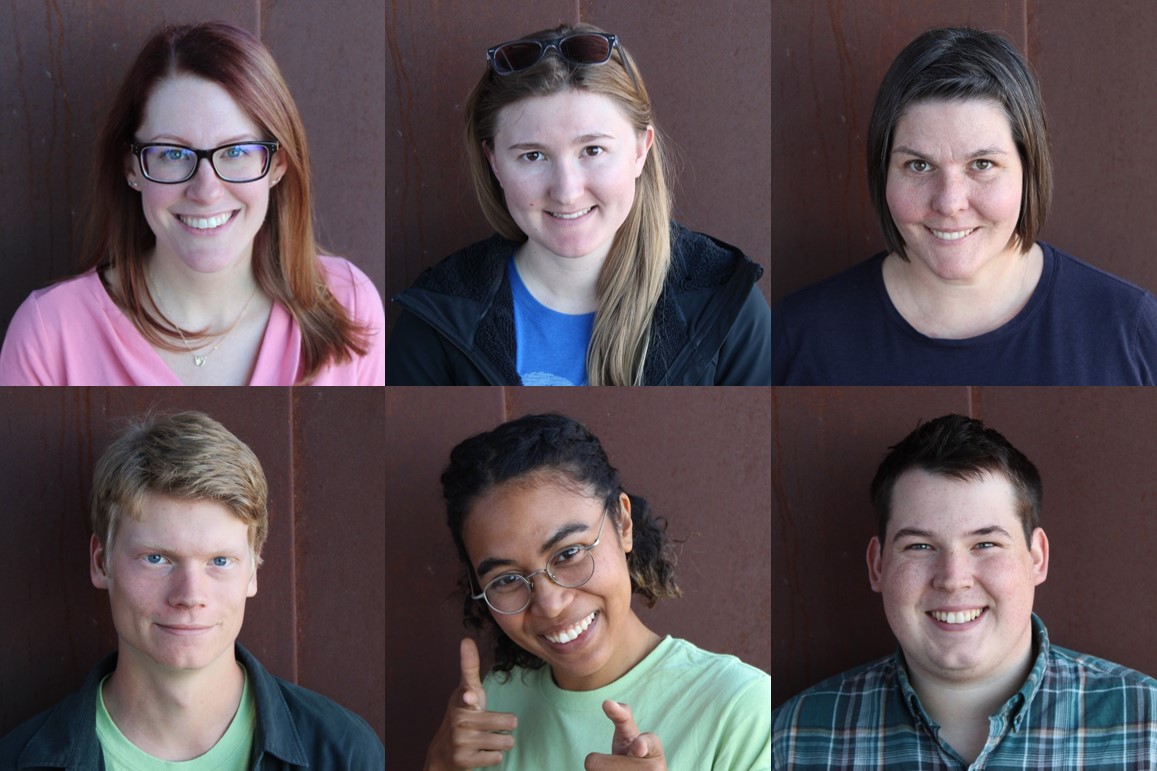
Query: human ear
point(626, 527)
point(1039, 549)
point(643, 141)
point(875, 560)
point(132, 176)
point(489, 153)
point(97, 568)
point(277, 167)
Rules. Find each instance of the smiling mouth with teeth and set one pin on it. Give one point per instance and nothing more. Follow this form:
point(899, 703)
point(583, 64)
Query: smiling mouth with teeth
point(571, 216)
point(206, 223)
point(955, 235)
point(956, 617)
point(572, 632)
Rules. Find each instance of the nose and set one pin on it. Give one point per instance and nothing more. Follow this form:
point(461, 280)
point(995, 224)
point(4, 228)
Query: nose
point(567, 182)
point(187, 587)
point(549, 599)
point(951, 193)
point(953, 571)
point(205, 185)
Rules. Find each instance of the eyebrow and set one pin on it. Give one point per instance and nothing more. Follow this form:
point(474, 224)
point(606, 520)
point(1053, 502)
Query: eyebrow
point(905, 150)
point(185, 142)
point(563, 532)
point(913, 532)
point(580, 140)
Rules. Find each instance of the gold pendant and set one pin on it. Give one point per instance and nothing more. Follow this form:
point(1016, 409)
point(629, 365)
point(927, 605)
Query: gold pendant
point(198, 360)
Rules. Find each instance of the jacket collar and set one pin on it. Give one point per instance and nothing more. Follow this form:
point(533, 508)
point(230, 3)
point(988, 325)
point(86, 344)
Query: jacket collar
point(467, 298)
point(67, 739)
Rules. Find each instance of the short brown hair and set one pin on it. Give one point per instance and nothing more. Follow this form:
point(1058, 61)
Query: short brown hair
point(958, 64)
point(189, 456)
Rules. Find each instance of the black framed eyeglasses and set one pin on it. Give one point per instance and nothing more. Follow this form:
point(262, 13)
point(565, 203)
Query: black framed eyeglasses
point(575, 48)
point(571, 567)
point(171, 164)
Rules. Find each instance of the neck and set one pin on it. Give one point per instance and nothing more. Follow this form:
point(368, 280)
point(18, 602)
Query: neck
point(173, 715)
point(563, 284)
point(962, 707)
point(959, 309)
point(200, 301)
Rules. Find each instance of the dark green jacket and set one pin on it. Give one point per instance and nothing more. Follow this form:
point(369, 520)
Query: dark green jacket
point(296, 728)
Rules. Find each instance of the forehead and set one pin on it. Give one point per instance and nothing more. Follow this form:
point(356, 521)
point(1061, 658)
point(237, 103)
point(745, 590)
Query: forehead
point(194, 109)
point(942, 504)
point(516, 518)
point(979, 122)
point(183, 525)
point(564, 115)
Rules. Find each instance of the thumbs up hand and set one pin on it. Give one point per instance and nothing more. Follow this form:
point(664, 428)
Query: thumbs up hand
point(630, 749)
point(470, 737)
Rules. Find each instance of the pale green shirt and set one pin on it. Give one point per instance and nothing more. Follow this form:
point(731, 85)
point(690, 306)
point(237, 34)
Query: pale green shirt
point(230, 753)
point(711, 711)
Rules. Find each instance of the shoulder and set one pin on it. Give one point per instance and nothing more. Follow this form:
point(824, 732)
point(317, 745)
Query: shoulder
point(65, 298)
point(854, 285)
point(832, 700)
point(699, 261)
point(471, 272)
point(1072, 670)
point(1077, 278)
point(352, 287)
point(722, 668)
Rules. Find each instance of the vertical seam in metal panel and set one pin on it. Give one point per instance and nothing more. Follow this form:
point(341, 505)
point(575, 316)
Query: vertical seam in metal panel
point(292, 508)
point(260, 30)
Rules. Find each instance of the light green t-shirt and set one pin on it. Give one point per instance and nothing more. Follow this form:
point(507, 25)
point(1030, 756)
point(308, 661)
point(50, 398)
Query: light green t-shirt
point(711, 711)
point(230, 753)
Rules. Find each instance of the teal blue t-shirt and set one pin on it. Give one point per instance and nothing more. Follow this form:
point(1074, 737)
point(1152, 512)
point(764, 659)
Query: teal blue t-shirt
point(551, 346)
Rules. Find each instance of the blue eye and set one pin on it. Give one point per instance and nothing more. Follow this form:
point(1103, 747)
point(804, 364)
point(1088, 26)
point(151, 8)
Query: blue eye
point(154, 559)
point(221, 562)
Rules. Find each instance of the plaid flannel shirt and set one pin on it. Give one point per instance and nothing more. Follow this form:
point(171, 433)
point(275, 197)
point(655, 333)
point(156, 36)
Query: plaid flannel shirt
point(1073, 712)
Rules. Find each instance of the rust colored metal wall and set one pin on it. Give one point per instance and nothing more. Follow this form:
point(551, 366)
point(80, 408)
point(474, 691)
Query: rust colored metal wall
point(318, 618)
point(1093, 66)
point(700, 458)
point(1094, 448)
point(64, 60)
point(706, 68)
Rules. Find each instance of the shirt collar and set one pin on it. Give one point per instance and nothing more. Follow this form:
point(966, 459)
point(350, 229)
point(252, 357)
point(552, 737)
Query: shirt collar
point(1017, 704)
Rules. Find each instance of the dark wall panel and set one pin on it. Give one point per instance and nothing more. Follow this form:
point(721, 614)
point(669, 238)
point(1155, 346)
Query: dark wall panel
point(58, 626)
point(705, 66)
point(1094, 449)
point(700, 458)
point(64, 60)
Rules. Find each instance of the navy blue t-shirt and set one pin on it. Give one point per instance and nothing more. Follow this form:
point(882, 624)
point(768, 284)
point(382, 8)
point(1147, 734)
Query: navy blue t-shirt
point(1081, 326)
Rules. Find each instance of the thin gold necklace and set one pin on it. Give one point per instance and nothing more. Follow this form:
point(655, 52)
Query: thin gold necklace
point(198, 358)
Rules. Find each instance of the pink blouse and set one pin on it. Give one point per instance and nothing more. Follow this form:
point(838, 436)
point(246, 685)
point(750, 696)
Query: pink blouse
point(72, 333)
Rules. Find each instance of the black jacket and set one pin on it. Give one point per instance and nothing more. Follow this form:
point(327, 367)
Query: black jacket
point(296, 728)
point(711, 325)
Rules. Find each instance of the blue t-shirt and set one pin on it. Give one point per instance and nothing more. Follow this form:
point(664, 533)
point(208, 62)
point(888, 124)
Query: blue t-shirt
point(1081, 326)
point(551, 346)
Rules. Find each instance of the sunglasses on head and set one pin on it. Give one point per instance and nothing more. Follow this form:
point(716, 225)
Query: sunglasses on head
point(575, 48)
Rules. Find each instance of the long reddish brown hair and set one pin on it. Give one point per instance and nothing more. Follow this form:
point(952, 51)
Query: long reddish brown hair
point(285, 263)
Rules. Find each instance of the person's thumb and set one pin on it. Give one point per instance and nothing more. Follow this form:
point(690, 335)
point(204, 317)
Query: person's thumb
point(473, 697)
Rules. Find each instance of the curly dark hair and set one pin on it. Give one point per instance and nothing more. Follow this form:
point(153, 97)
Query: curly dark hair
point(564, 447)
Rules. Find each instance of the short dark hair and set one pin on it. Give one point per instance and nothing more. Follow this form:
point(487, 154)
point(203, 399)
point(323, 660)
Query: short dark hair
point(958, 64)
point(961, 448)
point(566, 451)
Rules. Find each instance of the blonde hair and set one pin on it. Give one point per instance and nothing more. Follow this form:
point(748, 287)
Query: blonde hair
point(632, 277)
point(189, 456)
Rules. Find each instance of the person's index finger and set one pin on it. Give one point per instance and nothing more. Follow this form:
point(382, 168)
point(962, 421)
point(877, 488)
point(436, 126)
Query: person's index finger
point(469, 664)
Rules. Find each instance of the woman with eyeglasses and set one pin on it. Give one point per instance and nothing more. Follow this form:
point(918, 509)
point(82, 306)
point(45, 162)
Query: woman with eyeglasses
point(201, 265)
point(552, 550)
point(587, 280)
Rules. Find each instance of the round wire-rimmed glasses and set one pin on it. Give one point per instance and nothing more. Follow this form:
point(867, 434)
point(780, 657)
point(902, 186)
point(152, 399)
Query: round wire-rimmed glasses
point(571, 567)
point(171, 164)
